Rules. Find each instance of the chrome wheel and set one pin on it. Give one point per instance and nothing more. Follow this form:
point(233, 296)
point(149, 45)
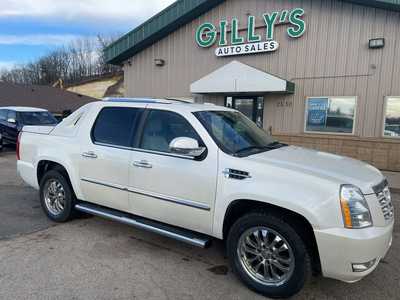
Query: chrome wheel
point(54, 196)
point(266, 256)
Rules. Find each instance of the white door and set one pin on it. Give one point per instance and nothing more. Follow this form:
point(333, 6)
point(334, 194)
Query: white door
point(104, 171)
point(170, 188)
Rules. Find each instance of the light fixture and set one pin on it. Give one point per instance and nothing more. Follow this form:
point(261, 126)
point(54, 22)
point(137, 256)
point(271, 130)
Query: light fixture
point(159, 62)
point(376, 43)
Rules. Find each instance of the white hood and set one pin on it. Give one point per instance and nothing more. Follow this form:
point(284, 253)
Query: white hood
point(341, 169)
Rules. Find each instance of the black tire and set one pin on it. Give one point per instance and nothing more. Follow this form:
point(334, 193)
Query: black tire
point(67, 212)
point(301, 266)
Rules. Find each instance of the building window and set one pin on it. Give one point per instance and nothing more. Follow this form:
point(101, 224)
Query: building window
point(392, 117)
point(330, 114)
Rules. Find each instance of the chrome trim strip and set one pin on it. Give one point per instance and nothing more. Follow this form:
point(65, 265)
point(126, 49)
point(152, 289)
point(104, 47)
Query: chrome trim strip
point(144, 151)
point(171, 199)
point(97, 212)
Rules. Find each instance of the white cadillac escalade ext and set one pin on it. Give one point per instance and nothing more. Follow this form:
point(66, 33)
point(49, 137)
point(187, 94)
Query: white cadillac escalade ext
point(195, 172)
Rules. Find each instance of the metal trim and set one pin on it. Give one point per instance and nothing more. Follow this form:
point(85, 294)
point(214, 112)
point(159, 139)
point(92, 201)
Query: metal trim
point(144, 151)
point(128, 221)
point(171, 199)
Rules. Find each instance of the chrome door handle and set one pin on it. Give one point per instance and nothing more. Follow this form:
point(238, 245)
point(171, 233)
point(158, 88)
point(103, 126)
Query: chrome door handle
point(89, 154)
point(142, 164)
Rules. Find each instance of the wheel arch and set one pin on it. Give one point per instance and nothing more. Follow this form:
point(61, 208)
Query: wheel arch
point(302, 226)
point(45, 165)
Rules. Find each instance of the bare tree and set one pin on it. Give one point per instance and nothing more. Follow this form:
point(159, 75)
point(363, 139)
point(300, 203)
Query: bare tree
point(81, 59)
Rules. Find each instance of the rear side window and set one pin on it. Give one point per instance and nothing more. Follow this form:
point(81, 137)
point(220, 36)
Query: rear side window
point(116, 126)
point(3, 114)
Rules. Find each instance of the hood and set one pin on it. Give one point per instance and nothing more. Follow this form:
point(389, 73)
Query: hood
point(343, 170)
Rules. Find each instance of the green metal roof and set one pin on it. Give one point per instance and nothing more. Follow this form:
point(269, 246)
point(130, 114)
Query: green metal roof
point(178, 14)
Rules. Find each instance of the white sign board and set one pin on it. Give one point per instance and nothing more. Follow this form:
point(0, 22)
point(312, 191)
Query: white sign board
point(251, 48)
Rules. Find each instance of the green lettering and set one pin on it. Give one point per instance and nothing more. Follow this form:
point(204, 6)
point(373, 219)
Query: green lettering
point(251, 36)
point(270, 23)
point(206, 35)
point(299, 25)
point(222, 39)
point(236, 39)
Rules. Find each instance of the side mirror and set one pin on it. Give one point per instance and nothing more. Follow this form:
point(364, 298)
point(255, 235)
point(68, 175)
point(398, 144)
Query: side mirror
point(12, 121)
point(186, 146)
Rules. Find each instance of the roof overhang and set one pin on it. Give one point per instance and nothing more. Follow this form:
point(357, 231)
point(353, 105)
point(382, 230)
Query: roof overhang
point(236, 77)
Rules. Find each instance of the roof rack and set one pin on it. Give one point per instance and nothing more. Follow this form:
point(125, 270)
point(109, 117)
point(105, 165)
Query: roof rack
point(136, 100)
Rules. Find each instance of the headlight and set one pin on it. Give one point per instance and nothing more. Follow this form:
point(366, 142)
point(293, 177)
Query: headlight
point(355, 208)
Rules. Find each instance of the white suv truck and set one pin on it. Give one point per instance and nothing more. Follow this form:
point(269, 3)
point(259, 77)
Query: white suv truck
point(195, 172)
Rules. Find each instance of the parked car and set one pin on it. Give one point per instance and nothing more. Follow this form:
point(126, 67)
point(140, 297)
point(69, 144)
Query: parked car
point(196, 172)
point(12, 119)
point(1, 142)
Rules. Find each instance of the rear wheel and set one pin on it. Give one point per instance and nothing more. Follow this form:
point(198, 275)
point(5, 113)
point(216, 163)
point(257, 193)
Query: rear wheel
point(268, 255)
point(56, 196)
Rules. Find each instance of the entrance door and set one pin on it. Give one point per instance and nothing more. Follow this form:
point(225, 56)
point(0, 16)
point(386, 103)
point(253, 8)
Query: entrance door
point(251, 107)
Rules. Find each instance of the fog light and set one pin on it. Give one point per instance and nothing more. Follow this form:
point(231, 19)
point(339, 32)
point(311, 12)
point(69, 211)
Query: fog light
point(362, 267)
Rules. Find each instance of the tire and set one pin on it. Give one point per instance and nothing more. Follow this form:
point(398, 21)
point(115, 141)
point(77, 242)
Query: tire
point(269, 226)
point(1, 143)
point(57, 197)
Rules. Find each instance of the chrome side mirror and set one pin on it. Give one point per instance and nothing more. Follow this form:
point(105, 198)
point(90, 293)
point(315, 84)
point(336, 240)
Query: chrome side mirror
point(12, 121)
point(186, 146)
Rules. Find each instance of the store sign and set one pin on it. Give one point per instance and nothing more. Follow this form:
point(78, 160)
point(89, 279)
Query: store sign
point(209, 34)
point(318, 111)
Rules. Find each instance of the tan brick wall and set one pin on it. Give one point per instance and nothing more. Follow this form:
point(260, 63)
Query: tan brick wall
point(381, 153)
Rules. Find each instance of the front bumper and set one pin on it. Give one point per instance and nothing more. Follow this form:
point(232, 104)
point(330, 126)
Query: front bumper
point(340, 248)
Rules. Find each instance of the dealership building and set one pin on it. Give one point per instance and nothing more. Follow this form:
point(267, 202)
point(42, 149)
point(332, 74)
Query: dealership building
point(323, 74)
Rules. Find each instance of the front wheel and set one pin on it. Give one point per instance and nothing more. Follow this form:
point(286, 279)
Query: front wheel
point(268, 255)
point(56, 197)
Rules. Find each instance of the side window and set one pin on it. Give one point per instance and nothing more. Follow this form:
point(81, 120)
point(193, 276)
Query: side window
point(12, 115)
point(162, 127)
point(116, 126)
point(3, 114)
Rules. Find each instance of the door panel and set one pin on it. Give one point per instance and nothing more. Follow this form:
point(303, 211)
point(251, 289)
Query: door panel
point(104, 175)
point(104, 167)
point(171, 188)
point(174, 190)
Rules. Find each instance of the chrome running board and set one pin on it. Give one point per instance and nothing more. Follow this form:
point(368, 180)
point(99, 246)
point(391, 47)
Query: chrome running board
point(176, 233)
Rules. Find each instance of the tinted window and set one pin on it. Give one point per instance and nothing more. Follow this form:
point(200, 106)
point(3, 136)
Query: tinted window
point(162, 127)
point(12, 115)
point(37, 118)
point(116, 125)
point(3, 114)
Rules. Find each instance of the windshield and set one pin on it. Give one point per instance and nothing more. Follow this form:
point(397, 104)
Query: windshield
point(37, 118)
point(235, 134)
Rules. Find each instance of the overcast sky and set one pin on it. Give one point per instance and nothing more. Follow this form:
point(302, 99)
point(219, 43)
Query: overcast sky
point(30, 28)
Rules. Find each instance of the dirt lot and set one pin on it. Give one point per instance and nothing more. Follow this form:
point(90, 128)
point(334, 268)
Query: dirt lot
point(91, 258)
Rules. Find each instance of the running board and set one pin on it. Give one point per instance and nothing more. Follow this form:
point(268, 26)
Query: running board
point(176, 233)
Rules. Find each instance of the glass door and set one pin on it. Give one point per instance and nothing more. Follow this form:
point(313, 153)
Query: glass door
point(251, 107)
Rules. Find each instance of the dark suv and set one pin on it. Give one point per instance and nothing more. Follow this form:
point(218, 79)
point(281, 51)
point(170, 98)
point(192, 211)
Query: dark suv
point(12, 119)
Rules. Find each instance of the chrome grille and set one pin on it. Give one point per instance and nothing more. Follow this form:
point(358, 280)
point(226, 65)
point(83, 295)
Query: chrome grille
point(382, 192)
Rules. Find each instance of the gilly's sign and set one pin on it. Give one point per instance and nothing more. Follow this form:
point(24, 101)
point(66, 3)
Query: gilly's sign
point(208, 34)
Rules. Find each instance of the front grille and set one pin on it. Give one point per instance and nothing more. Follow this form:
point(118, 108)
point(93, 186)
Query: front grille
point(385, 200)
